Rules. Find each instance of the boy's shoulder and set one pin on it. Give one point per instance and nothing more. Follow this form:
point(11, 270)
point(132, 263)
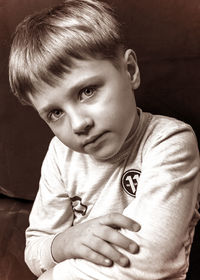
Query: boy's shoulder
point(163, 120)
point(164, 124)
point(159, 125)
point(56, 144)
point(57, 150)
point(61, 154)
point(162, 128)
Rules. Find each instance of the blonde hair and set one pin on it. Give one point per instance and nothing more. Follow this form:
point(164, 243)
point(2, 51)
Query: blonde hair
point(45, 43)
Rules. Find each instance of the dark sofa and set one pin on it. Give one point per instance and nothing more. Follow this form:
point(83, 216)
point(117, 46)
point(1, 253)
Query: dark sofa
point(166, 37)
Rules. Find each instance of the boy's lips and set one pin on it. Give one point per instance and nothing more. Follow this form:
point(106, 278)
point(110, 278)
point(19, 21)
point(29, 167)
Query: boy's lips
point(93, 139)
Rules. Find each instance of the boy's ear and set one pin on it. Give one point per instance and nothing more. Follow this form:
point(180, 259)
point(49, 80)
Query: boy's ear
point(132, 68)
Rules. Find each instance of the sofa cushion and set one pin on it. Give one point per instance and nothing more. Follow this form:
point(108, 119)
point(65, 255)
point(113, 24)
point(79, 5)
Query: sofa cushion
point(13, 220)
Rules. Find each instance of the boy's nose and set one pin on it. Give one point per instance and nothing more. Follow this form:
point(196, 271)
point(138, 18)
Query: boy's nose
point(80, 124)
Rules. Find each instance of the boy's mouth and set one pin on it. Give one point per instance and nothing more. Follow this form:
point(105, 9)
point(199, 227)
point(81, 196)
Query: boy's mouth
point(93, 139)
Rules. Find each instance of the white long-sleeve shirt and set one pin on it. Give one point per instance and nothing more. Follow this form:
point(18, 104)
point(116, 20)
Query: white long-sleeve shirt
point(154, 180)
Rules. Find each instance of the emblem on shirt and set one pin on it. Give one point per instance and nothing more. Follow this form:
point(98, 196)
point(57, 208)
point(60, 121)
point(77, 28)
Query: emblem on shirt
point(78, 207)
point(130, 181)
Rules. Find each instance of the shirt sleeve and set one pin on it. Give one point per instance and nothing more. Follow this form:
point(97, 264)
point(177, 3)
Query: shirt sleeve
point(50, 215)
point(166, 207)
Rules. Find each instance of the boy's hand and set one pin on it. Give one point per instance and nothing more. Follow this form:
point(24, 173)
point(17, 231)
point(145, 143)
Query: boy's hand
point(95, 241)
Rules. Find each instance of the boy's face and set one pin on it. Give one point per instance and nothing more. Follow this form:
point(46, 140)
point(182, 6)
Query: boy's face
point(93, 109)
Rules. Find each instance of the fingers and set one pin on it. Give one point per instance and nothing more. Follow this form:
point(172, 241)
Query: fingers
point(94, 256)
point(103, 253)
point(116, 238)
point(117, 220)
point(97, 240)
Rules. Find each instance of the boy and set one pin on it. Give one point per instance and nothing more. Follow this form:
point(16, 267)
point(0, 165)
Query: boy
point(118, 195)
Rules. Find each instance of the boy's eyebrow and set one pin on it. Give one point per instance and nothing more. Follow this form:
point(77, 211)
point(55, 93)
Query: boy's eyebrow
point(81, 84)
point(46, 109)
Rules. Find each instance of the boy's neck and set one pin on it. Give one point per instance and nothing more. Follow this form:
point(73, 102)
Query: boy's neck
point(135, 125)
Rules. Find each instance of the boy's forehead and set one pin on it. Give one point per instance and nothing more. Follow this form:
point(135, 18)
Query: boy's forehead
point(87, 63)
point(83, 73)
point(85, 70)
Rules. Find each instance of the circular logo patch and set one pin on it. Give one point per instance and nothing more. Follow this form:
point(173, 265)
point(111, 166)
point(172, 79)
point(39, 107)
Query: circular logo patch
point(130, 181)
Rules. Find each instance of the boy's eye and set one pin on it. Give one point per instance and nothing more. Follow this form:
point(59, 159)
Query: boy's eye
point(86, 93)
point(55, 114)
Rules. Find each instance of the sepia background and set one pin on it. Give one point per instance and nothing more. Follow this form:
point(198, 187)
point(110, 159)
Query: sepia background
point(166, 37)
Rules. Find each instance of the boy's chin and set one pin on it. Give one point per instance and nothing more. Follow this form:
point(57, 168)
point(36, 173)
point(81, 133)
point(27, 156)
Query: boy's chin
point(104, 154)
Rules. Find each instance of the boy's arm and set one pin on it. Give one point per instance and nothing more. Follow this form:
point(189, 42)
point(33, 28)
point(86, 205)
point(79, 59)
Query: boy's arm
point(165, 206)
point(51, 234)
point(51, 213)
